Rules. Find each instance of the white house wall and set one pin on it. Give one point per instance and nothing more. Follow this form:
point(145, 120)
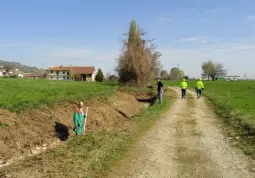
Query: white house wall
point(63, 74)
point(93, 77)
point(59, 75)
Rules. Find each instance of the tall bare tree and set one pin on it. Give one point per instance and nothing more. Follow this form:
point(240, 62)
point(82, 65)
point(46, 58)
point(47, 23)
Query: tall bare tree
point(139, 60)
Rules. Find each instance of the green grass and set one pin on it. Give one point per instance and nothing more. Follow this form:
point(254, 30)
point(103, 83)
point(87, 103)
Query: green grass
point(234, 102)
point(94, 154)
point(20, 94)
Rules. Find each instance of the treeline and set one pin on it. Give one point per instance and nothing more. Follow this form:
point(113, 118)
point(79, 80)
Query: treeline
point(174, 74)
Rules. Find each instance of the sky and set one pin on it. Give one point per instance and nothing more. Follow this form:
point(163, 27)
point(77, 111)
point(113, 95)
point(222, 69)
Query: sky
point(46, 33)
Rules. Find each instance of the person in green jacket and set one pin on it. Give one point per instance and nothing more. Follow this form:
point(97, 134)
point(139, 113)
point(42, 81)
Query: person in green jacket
point(79, 120)
point(184, 86)
point(199, 88)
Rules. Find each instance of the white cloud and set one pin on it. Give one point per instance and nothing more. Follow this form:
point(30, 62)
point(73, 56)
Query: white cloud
point(215, 40)
point(243, 47)
point(233, 47)
point(200, 39)
point(215, 10)
point(106, 57)
point(202, 20)
point(73, 53)
point(195, 38)
point(167, 13)
point(250, 17)
point(13, 44)
point(164, 18)
point(231, 18)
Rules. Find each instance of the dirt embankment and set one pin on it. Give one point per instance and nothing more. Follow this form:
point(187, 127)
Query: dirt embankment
point(21, 134)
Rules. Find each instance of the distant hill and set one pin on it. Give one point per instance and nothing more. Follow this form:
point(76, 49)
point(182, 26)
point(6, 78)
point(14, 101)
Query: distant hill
point(20, 67)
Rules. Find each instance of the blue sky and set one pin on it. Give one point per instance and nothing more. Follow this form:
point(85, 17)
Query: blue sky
point(46, 33)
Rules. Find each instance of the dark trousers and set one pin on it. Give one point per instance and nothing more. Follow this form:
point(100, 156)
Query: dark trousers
point(183, 93)
point(160, 96)
point(199, 92)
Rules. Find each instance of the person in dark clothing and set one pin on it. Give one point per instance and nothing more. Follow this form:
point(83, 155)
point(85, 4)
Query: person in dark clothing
point(160, 90)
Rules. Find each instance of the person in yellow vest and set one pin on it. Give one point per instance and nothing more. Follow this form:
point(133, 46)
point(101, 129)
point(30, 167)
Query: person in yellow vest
point(199, 88)
point(184, 86)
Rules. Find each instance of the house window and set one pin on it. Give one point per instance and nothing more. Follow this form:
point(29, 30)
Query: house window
point(64, 72)
point(57, 72)
point(51, 72)
point(67, 73)
point(67, 78)
point(64, 78)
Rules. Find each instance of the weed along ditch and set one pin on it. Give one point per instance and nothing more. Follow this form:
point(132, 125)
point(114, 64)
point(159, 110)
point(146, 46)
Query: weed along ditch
point(45, 135)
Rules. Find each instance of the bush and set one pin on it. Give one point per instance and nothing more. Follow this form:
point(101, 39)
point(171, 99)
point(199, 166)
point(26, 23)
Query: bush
point(14, 76)
point(99, 76)
point(113, 78)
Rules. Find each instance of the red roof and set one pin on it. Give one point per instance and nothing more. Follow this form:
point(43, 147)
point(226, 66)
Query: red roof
point(59, 68)
point(74, 69)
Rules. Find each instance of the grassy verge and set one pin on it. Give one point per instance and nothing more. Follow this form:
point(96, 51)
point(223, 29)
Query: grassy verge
point(233, 102)
point(239, 126)
point(91, 155)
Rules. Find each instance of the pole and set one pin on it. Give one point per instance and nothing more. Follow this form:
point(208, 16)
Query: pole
point(85, 119)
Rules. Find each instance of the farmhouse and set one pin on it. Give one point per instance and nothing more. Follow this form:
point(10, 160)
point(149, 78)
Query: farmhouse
point(234, 77)
point(31, 76)
point(77, 73)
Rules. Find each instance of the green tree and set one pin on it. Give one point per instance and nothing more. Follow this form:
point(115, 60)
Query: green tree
point(213, 70)
point(99, 76)
point(164, 75)
point(176, 74)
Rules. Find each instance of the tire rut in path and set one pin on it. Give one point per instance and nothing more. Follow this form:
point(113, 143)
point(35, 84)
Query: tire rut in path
point(185, 143)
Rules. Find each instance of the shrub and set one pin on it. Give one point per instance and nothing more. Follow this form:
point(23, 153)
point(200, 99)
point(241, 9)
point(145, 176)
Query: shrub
point(99, 76)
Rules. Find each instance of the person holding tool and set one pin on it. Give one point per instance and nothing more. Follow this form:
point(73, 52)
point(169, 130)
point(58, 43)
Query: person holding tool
point(79, 118)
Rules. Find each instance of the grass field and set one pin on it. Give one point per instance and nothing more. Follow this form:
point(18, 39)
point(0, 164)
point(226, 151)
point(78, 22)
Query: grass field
point(234, 102)
point(19, 94)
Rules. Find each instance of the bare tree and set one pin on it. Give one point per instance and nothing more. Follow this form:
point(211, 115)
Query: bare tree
point(139, 61)
point(107, 76)
point(213, 70)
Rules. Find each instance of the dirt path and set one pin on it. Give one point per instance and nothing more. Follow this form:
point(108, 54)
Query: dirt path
point(187, 142)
